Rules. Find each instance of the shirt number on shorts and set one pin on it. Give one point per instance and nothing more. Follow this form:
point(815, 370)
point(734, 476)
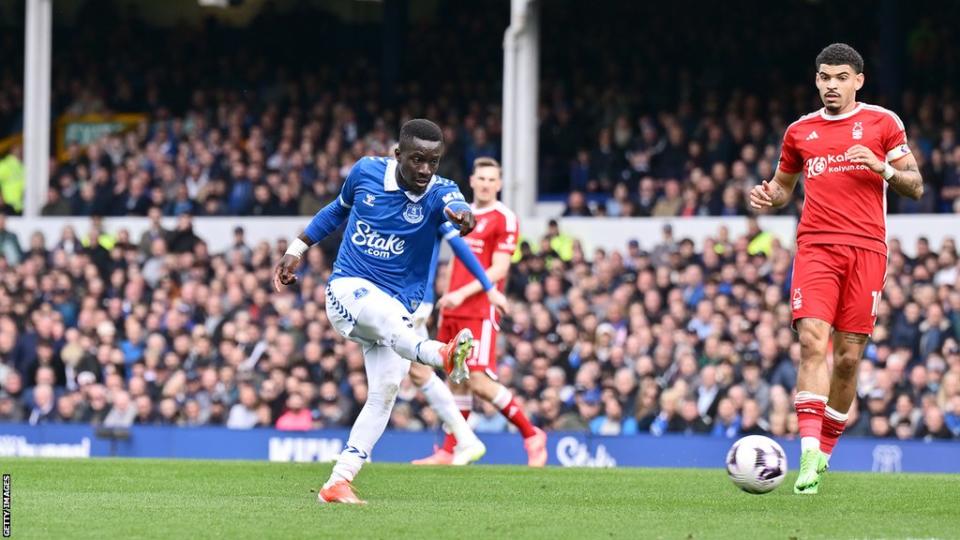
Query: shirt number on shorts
point(876, 303)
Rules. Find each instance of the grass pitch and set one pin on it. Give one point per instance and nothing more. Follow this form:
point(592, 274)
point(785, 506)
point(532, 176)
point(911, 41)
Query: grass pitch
point(110, 498)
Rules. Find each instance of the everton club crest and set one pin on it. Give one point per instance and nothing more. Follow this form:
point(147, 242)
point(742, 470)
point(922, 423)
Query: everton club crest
point(413, 213)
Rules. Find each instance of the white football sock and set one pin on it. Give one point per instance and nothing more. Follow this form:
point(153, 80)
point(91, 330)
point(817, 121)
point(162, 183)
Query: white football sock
point(366, 431)
point(384, 372)
point(428, 352)
point(348, 465)
point(502, 399)
point(809, 443)
point(464, 402)
point(442, 400)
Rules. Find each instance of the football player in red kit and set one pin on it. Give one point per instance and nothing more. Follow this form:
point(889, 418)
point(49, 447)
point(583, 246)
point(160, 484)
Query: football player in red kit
point(493, 241)
point(848, 153)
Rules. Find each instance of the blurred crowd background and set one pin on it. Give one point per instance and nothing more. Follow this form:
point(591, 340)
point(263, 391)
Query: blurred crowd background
point(675, 124)
point(113, 330)
point(636, 117)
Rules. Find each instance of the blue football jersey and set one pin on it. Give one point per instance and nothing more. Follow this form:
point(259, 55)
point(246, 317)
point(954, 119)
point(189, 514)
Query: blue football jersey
point(391, 234)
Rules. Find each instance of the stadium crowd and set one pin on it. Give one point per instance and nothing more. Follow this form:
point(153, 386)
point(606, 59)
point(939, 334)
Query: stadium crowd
point(657, 338)
point(240, 130)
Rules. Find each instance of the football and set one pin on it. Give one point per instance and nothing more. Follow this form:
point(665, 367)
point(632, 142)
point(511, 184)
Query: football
point(756, 464)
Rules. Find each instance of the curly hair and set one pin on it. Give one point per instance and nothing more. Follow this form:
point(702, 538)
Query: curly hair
point(839, 54)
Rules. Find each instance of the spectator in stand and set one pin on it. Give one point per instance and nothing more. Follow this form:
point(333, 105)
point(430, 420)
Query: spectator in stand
point(674, 340)
point(9, 243)
point(727, 422)
point(211, 143)
point(10, 408)
point(670, 203)
point(12, 181)
point(297, 416)
point(690, 421)
point(42, 411)
point(122, 412)
point(612, 422)
point(577, 206)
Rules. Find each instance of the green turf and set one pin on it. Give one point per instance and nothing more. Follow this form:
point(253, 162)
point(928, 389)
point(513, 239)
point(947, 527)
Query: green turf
point(104, 498)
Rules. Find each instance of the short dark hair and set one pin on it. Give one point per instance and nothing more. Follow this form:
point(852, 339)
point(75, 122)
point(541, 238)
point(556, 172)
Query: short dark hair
point(419, 128)
point(840, 54)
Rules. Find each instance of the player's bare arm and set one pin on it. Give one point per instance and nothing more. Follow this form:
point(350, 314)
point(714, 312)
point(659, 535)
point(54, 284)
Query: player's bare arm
point(903, 174)
point(775, 193)
point(284, 273)
point(906, 179)
point(454, 299)
point(497, 271)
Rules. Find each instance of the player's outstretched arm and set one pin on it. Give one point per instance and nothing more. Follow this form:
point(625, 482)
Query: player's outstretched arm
point(327, 220)
point(459, 214)
point(775, 193)
point(284, 273)
point(483, 282)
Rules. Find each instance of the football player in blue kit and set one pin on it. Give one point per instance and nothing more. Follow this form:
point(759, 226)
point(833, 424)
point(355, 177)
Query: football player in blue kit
point(396, 210)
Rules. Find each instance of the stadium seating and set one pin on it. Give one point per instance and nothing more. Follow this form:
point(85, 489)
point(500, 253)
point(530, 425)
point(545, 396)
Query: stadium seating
point(106, 325)
point(113, 330)
point(240, 130)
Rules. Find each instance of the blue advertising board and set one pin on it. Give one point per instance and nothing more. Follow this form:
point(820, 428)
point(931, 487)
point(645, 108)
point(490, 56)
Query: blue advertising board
point(565, 449)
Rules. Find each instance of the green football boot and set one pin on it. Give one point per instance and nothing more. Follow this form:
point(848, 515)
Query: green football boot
point(813, 463)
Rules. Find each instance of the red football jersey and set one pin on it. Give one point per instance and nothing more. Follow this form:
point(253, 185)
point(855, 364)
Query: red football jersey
point(846, 203)
point(496, 231)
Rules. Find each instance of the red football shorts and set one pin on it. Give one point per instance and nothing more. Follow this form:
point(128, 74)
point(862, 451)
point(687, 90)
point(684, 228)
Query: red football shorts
point(484, 356)
point(839, 284)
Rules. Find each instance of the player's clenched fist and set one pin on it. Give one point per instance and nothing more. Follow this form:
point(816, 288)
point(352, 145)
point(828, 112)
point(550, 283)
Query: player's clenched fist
point(464, 219)
point(284, 273)
point(761, 196)
point(859, 153)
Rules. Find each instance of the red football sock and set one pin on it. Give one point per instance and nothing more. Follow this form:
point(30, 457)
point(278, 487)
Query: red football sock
point(507, 404)
point(810, 408)
point(833, 424)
